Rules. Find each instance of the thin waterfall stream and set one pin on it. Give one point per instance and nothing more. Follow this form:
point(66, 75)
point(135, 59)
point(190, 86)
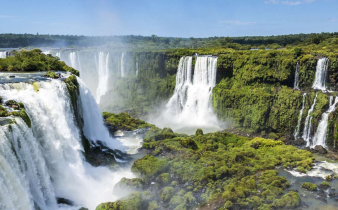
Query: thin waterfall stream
point(308, 123)
point(297, 131)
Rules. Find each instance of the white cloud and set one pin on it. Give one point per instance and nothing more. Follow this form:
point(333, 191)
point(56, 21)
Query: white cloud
point(236, 22)
point(289, 2)
point(334, 20)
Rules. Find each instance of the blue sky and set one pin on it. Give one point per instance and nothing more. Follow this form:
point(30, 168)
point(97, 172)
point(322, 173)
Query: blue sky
point(175, 18)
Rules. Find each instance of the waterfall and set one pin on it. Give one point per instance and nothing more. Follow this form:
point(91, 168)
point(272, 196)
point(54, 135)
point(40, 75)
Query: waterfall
point(183, 81)
point(3, 54)
point(320, 136)
point(136, 68)
point(190, 106)
point(321, 74)
point(296, 135)
point(296, 83)
point(122, 65)
point(103, 71)
point(58, 54)
point(94, 128)
point(45, 161)
point(46, 52)
point(308, 123)
point(74, 60)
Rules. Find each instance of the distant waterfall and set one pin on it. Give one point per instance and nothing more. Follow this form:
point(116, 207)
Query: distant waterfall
point(320, 136)
point(122, 65)
point(308, 123)
point(296, 135)
point(46, 52)
point(190, 105)
point(136, 68)
point(3, 54)
point(45, 161)
point(321, 74)
point(103, 74)
point(296, 83)
point(74, 61)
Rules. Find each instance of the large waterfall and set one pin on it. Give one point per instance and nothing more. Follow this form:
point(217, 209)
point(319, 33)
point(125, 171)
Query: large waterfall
point(320, 136)
point(41, 163)
point(296, 83)
point(190, 106)
point(308, 123)
point(3, 54)
point(74, 61)
point(321, 74)
point(94, 128)
point(103, 73)
point(99, 69)
point(296, 134)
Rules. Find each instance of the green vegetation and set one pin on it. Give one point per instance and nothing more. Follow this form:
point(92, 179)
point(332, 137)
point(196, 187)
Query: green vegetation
point(309, 186)
point(216, 169)
point(155, 42)
point(33, 60)
point(51, 74)
point(123, 121)
point(19, 111)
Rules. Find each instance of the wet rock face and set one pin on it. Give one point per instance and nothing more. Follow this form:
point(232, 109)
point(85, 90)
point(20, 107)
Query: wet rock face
point(101, 155)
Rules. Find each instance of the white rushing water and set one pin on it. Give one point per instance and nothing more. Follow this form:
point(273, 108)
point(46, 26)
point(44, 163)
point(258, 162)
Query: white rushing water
point(41, 163)
point(94, 128)
point(3, 54)
point(74, 61)
point(190, 106)
point(46, 52)
point(321, 74)
point(308, 123)
point(103, 74)
point(296, 134)
point(320, 136)
point(296, 83)
point(320, 169)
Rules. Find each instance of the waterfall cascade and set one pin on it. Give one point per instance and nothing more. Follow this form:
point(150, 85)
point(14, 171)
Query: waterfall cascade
point(94, 128)
point(321, 74)
point(296, 134)
point(320, 136)
point(99, 69)
point(190, 105)
point(43, 162)
point(3, 54)
point(74, 60)
point(103, 74)
point(296, 83)
point(308, 123)
point(183, 81)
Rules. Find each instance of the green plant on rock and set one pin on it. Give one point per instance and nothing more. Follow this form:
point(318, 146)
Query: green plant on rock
point(309, 186)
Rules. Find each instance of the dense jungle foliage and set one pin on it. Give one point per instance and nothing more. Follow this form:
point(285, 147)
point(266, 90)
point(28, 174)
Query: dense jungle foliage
point(217, 170)
point(155, 42)
point(33, 60)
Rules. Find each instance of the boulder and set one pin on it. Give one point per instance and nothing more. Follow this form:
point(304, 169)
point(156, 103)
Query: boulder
point(333, 156)
point(299, 142)
point(320, 149)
